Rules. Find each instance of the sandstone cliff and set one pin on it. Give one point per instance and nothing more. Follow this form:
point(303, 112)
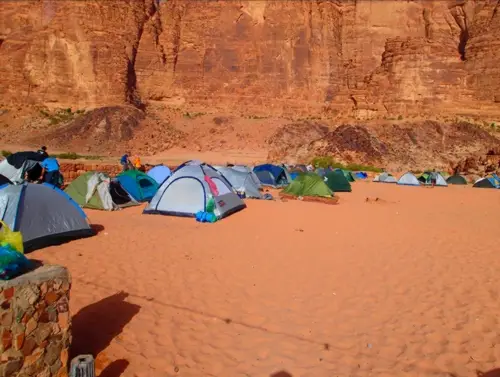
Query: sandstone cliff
point(254, 56)
point(131, 64)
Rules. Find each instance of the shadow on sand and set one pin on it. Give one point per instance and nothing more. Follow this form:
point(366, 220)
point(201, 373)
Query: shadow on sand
point(281, 373)
point(97, 228)
point(490, 373)
point(95, 326)
point(115, 369)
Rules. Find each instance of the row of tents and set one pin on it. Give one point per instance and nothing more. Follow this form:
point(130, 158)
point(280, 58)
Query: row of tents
point(409, 179)
point(46, 215)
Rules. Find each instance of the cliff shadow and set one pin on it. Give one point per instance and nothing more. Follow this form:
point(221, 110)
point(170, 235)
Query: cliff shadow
point(96, 325)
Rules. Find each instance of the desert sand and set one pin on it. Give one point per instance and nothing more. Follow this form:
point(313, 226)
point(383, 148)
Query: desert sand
point(403, 286)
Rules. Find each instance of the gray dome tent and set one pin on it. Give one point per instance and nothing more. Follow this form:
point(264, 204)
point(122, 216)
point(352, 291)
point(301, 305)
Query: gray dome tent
point(15, 166)
point(385, 178)
point(408, 179)
point(242, 182)
point(43, 214)
point(189, 189)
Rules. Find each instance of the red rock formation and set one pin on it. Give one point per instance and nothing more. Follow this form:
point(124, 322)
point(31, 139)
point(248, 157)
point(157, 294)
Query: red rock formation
point(262, 56)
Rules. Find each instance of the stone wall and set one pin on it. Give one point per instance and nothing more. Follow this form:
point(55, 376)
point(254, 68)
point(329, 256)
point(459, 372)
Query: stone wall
point(72, 170)
point(35, 323)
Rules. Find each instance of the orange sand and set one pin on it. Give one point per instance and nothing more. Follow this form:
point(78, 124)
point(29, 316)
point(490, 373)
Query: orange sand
point(404, 286)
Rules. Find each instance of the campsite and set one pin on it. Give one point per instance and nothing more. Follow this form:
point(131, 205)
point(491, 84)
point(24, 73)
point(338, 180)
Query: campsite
point(275, 285)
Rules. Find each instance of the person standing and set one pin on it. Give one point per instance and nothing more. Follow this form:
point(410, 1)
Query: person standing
point(125, 162)
point(50, 171)
point(433, 177)
point(137, 163)
point(43, 151)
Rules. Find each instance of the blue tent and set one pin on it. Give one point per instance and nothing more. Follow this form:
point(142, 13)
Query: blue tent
point(160, 173)
point(361, 175)
point(487, 182)
point(271, 175)
point(140, 186)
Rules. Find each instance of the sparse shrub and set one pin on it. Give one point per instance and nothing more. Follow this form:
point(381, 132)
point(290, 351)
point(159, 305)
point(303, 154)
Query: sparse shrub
point(192, 115)
point(359, 167)
point(68, 156)
point(400, 117)
point(6, 153)
point(76, 156)
point(328, 161)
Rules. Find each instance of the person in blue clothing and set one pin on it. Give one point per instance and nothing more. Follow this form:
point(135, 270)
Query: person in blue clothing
point(125, 162)
point(50, 171)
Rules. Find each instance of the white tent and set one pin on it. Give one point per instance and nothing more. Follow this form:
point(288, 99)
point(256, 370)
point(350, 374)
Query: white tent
point(385, 178)
point(190, 189)
point(408, 179)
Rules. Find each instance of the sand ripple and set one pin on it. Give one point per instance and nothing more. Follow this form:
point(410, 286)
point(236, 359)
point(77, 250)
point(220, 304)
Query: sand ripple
point(408, 288)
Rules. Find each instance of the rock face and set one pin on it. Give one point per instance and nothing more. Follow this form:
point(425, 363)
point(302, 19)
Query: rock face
point(414, 145)
point(35, 323)
point(479, 165)
point(271, 57)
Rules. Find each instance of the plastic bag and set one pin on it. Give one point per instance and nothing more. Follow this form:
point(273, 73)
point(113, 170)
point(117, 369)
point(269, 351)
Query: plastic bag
point(205, 217)
point(8, 237)
point(12, 262)
point(210, 205)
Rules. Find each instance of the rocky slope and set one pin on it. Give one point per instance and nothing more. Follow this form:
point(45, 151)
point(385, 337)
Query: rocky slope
point(396, 145)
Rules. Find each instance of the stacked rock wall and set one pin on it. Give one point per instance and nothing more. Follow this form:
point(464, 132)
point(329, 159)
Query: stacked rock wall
point(35, 323)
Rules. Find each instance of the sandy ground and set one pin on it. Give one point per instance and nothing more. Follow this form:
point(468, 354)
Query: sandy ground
point(404, 286)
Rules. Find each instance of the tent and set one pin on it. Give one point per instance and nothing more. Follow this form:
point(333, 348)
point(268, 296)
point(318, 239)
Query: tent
point(15, 166)
point(425, 179)
point(337, 182)
point(322, 171)
point(4, 180)
point(347, 174)
point(43, 214)
point(456, 180)
point(140, 186)
point(487, 182)
point(189, 190)
point(248, 169)
point(385, 178)
point(272, 175)
point(160, 173)
point(408, 179)
point(242, 182)
point(361, 175)
point(308, 184)
point(93, 190)
point(300, 167)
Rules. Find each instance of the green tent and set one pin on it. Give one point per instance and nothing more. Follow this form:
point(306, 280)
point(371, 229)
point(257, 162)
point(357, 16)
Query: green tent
point(337, 182)
point(308, 184)
point(97, 191)
point(347, 174)
point(456, 180)
point(425, 177)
